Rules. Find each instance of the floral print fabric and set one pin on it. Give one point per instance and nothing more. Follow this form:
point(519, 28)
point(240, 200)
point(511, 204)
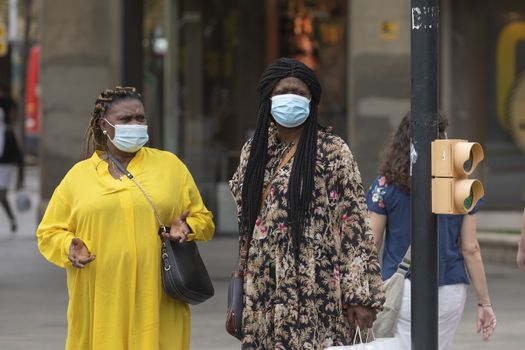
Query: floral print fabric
point(293, 304)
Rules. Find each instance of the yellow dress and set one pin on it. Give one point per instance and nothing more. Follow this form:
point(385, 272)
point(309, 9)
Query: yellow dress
point(117, 301)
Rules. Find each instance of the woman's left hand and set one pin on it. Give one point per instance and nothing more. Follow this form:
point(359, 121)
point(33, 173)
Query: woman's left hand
point(486, 321)
point(361, 316)
point(179, 229)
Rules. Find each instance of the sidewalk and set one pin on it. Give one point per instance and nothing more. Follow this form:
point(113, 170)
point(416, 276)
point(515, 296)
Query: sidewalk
point(33, 295)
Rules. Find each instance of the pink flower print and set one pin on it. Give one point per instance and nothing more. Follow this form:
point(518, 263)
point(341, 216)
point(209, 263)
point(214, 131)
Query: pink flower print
point(282, 227)
point(272, 192)
point(344, 218)
point(258, 222)
point(337, 275)
point(382, 181)
point(333, 195)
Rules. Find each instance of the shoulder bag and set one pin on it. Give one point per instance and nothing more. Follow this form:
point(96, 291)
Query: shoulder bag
point(236, 294)
point(184, 275)
point(384, 326)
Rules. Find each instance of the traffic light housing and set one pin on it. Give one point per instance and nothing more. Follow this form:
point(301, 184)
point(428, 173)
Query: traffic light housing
point(452, 162)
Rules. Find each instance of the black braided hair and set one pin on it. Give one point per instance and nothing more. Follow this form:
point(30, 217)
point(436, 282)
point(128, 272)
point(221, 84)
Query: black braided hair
point(94, 138)
point(301, 183)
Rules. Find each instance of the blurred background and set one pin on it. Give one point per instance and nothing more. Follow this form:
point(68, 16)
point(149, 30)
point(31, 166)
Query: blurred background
point(198, 63)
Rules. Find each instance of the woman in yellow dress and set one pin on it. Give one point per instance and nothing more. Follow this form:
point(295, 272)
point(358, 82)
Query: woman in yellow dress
point(100, 227)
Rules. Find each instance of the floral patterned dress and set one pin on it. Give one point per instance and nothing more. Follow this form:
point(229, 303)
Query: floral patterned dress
point(293, 304)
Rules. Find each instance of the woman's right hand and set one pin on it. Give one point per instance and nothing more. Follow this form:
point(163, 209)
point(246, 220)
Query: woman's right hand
point(486, 321)
point(79, 254)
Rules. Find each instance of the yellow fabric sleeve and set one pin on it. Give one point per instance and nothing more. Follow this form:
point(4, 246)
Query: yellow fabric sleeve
point(54, 237)
point(200, 219)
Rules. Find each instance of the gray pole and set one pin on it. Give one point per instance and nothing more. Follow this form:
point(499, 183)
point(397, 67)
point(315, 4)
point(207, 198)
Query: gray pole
point(424, 105)
point(132, 51)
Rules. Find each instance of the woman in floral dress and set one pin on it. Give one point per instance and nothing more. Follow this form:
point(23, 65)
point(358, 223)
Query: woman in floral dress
point(312, 273)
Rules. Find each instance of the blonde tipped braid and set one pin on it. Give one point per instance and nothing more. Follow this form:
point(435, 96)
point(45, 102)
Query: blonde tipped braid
point(94, 138)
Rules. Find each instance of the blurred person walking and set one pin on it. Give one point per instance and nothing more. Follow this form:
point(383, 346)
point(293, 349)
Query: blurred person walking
point(388, 200)
point(10, 155)
point(116, 300)
point(520, 258)
point(312, 273)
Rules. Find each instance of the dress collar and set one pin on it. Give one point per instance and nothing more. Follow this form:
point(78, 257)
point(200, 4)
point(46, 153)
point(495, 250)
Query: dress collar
point(102, 166)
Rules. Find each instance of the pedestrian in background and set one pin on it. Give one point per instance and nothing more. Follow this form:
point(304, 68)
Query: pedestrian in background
point(312, 273)
point(116, 300)
point(11, 157)
point(520, 258)
point(388, 200)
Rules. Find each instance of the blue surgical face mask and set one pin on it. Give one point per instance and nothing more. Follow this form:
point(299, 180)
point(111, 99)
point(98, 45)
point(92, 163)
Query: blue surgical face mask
point(290, 110)
point(129, 137)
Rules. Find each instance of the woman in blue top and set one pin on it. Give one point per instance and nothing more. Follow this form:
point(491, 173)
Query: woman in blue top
point(388, 200)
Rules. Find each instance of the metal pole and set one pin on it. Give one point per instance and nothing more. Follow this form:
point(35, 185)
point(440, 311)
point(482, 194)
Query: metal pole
point(132, 52)
point(424, 105)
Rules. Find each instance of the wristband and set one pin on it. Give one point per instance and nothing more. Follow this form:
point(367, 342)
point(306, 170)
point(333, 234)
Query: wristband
point(485, 305)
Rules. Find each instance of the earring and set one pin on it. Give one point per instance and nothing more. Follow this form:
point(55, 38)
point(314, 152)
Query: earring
point(105, 132)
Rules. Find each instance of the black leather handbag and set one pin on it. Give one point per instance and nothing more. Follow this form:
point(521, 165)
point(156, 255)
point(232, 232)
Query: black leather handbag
point(236, 295)
point(184, 275)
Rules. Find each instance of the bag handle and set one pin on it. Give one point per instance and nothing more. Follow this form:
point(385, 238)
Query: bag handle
point(404, 265)
point(370, 336)
point(243, 256)
point(130, 176)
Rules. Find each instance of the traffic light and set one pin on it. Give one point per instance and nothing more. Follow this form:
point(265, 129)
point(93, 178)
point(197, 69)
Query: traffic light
point(452, 162)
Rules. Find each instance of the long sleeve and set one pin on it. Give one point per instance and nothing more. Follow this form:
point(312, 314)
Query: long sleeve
point(361, 282)
point(53, 233)
point(200, 219)
point(238, 177)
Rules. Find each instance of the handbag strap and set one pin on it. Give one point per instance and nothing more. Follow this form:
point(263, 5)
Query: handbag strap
point(404, 265)
point(243, 256)
point(130, 176)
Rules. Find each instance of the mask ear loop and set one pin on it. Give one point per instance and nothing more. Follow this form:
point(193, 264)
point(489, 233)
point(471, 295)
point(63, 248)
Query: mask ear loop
point(107, 121)
point(105, 132)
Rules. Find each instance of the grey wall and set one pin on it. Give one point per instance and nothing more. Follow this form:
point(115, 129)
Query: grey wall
point(80, 57)
point(378, 78)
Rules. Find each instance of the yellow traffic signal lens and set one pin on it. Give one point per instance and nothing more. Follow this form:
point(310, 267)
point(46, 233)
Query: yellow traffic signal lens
point(467, 203)
point(467, 166)
point(466, 193)
point(467, 156)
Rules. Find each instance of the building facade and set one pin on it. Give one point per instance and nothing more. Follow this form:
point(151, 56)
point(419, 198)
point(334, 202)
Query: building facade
point(201, 61)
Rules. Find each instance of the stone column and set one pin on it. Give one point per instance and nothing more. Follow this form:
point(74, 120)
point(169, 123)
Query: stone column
point(81, 55)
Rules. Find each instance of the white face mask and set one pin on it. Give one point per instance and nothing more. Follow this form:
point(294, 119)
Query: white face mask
point(129, 138)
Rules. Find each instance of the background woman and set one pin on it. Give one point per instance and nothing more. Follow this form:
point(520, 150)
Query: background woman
point(388, 199)
point(312, 272)
point(116, 301)
point(10, 156)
